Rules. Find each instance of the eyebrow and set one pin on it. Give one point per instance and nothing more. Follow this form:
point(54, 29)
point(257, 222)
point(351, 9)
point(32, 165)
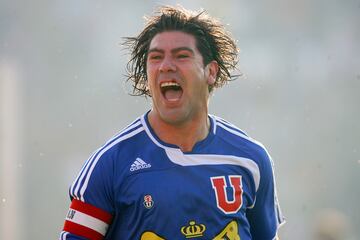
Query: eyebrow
point(175, 50)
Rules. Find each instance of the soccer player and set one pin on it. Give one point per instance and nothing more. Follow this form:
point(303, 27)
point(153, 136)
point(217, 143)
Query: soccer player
point(177, 172)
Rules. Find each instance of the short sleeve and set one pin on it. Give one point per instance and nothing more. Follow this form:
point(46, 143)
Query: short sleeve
point(91, 209)
point(265, 216)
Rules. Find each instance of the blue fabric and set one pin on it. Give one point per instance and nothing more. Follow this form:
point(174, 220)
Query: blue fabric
point(151, 186)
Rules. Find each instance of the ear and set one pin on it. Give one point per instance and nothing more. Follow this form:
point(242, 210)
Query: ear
point(212, 71)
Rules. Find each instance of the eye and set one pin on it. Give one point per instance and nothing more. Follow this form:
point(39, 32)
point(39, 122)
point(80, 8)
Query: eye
point(154, 56)
point(183, 56)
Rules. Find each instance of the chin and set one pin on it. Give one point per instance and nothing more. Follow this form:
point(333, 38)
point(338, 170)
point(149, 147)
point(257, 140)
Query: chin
point(174, 117)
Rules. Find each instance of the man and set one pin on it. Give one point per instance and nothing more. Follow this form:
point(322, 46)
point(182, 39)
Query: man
point(177, 172)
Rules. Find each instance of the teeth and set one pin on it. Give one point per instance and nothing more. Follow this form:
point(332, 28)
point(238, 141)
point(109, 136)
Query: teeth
point(169, 84)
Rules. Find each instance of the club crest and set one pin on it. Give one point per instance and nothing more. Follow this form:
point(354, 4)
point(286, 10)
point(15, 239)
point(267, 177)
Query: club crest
point(148, 202)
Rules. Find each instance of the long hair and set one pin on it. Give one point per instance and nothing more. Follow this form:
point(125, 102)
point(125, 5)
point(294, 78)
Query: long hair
point(212, 41)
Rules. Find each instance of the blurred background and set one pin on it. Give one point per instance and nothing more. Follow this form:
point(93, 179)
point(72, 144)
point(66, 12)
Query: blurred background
point(62, 95)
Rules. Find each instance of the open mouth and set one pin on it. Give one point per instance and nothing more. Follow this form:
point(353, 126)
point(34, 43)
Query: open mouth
point(171, 91)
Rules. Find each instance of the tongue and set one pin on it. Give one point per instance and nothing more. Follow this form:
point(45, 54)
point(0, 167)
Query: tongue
point(173, 95)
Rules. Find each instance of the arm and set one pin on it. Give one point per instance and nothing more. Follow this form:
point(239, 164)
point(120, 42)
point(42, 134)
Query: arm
point(86, 221)
point(265, 217)
point(91, 208)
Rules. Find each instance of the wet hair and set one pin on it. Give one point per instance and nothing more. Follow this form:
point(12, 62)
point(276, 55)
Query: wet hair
point(212, 40)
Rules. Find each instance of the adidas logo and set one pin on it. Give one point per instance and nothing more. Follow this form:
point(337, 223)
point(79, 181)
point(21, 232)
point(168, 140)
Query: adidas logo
point(139, 164)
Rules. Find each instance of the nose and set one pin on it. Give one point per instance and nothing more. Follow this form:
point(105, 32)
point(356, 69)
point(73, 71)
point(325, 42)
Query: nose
point(167, 65)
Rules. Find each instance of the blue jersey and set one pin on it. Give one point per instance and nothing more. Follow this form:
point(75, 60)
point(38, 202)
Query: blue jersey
point(138, 187)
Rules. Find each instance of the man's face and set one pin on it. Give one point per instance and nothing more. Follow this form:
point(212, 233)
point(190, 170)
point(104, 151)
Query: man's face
point(177, 78)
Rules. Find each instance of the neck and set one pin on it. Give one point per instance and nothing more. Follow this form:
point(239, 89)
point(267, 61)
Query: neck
point(184, 135)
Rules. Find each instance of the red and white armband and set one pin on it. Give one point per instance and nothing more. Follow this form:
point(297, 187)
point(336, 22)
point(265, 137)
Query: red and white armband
point(87, 221)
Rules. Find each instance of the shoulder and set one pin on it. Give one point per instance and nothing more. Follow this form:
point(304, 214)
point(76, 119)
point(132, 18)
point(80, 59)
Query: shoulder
point(123, 139)
point(112, 155)
point(237, 137)
point(116, 149)
point(246, 145)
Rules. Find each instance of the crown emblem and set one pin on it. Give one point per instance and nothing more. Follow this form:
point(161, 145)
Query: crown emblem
point(193, 230)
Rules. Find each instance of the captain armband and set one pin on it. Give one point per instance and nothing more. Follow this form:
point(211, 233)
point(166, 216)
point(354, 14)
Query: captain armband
point(87, 221)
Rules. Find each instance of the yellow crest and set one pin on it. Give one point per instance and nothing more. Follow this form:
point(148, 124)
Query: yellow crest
point(230, 232)
point(150, 236)
point(193, 230)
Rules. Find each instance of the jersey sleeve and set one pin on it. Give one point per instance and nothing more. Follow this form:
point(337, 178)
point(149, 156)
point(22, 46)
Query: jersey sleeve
point(91, 209)
point(265, 216)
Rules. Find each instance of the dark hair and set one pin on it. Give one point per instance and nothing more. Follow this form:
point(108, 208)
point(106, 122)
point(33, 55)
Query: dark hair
point(212, 41)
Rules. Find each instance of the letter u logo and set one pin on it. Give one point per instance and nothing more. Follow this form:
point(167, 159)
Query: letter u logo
point(224, 203)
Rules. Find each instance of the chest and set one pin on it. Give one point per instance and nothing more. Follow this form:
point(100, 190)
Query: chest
point(186, 202)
